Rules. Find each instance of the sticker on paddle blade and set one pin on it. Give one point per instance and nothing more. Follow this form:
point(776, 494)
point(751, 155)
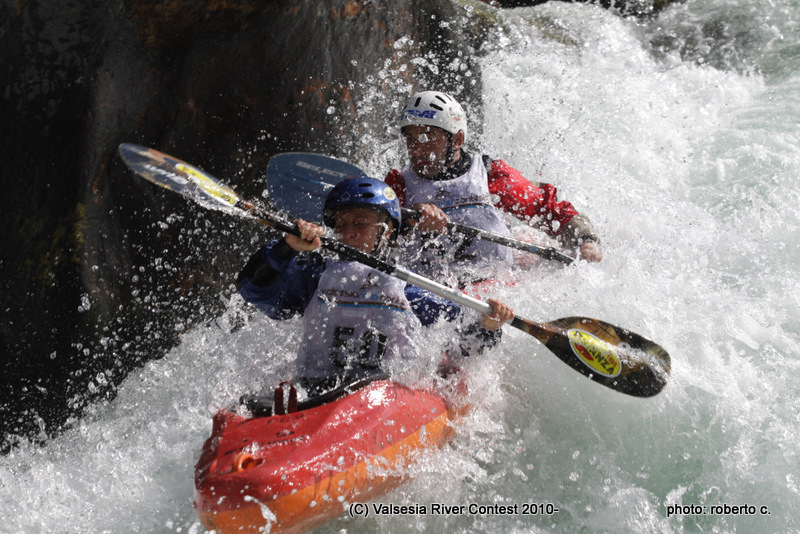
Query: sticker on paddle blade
point(595, 353)
point(209, 186)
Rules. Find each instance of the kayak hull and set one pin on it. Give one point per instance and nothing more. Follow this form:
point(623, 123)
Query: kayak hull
point(290, 473)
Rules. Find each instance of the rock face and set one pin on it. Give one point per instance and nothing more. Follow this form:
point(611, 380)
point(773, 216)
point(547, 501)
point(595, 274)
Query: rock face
point(101, 270)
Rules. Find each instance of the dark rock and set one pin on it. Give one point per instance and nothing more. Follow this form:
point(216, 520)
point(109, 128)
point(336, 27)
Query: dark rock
point(102, 271)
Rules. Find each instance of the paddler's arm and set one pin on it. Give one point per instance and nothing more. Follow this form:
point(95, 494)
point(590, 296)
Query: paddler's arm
point(477, 336)
point(429, 308)
point(580, 232)
point(309, 238)
point(277, 282)
point(538, 204)
point(432, 219)
point(265, 266)
point(495, 319)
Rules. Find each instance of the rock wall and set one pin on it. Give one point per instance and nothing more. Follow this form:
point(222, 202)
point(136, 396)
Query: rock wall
point(101, 271)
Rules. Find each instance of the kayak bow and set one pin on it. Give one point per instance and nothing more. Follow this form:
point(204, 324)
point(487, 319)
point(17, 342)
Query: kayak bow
point(292, 472)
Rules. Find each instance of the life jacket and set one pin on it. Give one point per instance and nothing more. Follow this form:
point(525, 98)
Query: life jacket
point(466, 200)
point(358, 320)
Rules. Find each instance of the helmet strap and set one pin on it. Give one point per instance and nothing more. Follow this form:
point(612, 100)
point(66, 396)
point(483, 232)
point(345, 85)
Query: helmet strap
point(381, 246)
point(448, 157)
point(451, 154)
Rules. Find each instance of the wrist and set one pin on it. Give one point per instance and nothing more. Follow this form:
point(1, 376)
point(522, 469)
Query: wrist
point(283, 251)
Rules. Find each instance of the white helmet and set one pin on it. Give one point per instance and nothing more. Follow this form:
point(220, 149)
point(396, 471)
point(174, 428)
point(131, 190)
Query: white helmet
point(432, 108)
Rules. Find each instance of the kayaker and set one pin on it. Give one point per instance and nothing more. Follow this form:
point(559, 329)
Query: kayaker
point(444, 182)
point(357, 320)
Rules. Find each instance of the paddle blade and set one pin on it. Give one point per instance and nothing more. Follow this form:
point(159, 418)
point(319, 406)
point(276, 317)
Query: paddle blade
point(182, 178)
point(298, 182)
point(617, 358)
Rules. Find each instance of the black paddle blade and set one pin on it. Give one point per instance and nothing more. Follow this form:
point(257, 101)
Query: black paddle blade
point(615, 357)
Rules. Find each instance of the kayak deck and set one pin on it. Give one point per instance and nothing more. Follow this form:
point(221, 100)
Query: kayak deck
point(295, 471)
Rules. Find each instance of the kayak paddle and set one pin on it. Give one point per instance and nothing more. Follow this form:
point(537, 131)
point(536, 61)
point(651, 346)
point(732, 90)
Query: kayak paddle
point(615, 357)
point(299, 181)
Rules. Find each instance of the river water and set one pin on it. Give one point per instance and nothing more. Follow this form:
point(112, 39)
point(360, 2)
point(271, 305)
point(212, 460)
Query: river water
point(679, 137)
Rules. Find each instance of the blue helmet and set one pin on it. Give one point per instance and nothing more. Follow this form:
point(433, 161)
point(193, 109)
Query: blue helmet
point(362, 192)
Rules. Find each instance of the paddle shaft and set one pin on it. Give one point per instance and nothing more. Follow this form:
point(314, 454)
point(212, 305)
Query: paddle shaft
point(644, 380)
point(299, 182)
point(542, 332)
point(548, 253)
point(612, 356)
point(281, 223)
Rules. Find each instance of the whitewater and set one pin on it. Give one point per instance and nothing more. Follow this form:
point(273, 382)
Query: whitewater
point(678, 136)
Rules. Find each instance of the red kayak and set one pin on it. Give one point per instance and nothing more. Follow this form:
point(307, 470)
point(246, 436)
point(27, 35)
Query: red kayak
point(292, 472)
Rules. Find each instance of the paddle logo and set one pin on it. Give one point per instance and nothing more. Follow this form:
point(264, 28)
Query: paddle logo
point(322, 170)
point(220, 192)
point(598, 355)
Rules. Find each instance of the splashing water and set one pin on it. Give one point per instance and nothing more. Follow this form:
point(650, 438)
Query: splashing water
point(678, 137)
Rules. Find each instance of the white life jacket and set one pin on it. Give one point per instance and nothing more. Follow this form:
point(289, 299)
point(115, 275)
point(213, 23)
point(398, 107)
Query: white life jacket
point(466, 200)
point(358, 320)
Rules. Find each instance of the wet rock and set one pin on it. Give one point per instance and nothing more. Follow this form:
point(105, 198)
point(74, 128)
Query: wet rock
point(102, 271)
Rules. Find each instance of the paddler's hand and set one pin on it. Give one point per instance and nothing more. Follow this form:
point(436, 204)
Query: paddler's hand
point(590, 251)
point(495, 319)
point(431, 219)
point(309, 238)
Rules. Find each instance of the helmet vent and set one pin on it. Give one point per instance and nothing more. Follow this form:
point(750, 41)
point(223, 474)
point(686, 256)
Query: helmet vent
point(432, 108)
